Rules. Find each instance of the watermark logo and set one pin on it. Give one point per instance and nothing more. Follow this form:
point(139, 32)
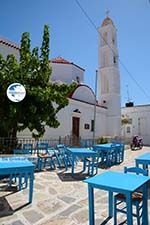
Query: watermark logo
point(16, 92)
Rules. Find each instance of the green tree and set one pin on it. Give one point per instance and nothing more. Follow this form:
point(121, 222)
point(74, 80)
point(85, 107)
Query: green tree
point(44, 99)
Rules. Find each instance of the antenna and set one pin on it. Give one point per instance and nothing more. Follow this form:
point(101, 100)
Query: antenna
point(128, 97)
point(129, 102)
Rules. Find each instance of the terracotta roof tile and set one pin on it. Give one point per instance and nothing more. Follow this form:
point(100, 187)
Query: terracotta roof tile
point(60, 60)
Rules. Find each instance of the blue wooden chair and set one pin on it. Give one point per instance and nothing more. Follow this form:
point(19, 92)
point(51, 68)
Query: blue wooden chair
point(119, 153)
point(44, 156)
point(92, 164)
point(28, 147)
point(137, 198)
point(64, 160)
point(83, 143)
point(22, 152)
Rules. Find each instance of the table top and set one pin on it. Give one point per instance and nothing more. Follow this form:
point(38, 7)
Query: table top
point(81, 151)
point(145, 156)
point(117, 181)
point(108, 145)
point(14, 162)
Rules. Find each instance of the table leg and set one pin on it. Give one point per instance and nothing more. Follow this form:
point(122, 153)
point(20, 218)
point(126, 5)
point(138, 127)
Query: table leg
point(73, 159)
point(84, 165)
point(137, 164)
point(129, 209)
point(110, 193)
point(20, 181)
point(93, 160)
point(145, 205)
point(91, 205)
point(145, 166)
point(31, 186)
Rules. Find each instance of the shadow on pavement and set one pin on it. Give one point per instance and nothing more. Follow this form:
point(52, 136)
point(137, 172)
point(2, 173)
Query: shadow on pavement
point(63, 176)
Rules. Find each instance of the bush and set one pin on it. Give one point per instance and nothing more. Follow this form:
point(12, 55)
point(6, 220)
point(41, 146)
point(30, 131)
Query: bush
point(102, 140)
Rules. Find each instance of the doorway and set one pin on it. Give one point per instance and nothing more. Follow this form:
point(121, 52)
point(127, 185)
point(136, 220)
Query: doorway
point(75, 129)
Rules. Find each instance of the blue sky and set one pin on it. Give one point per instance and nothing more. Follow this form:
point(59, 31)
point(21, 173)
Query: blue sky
point(74, 38)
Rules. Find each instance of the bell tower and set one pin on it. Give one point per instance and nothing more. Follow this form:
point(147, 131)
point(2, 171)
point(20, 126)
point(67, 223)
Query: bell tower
point(109, 77)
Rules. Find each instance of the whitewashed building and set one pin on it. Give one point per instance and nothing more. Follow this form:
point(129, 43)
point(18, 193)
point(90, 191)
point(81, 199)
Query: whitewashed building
point(138, 118)
point(77, 118)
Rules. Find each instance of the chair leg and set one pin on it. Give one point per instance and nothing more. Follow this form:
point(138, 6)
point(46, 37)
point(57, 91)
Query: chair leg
point(52, 164)
point(115, 211)
point(138, 214)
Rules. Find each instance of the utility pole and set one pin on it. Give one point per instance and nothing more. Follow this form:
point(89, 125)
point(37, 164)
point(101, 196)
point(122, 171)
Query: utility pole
point(94, 120)
point(128, 97)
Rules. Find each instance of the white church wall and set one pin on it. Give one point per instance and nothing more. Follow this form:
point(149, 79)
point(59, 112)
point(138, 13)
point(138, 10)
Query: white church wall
point(7, 50)
point(77, 72)
point(65, 117)
point(87, 115)
point(66, 73)
point(140, 117)
point(61, 72)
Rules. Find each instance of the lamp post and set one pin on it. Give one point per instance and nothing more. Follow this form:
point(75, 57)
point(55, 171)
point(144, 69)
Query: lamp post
point(94, 120)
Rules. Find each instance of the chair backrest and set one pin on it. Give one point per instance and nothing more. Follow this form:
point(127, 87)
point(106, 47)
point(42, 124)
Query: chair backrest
point(83, 143)
point(22, 151)
point(42, 147)
point(137, 170)
point(27, 146)
point(61, 148)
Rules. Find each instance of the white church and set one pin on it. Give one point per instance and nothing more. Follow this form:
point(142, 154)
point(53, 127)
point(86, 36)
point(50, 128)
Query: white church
point(77, 119)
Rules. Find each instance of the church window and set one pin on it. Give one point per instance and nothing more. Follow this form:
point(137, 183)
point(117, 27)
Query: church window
point(92, 125)
point(78, 79)
point(128, 130)
point(77, 111)
point(86, 126)
point(115, 61)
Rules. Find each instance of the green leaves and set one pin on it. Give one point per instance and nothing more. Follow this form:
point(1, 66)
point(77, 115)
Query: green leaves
point(43, 100)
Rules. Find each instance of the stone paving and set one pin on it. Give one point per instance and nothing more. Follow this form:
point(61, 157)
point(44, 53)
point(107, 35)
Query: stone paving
point(59, 199)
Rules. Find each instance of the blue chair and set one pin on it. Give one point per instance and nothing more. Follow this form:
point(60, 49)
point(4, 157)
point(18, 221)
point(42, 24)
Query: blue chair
point(28, 146)
point(22, 151)
point(64, 160)
point(137, 198)
point(109, 156)
point(92, 164)
point(119, 153)
point(44, 156)
point(83, 143)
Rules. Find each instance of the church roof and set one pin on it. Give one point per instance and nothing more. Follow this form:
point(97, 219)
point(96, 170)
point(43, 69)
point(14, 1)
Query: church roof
point(107, 21)
point(83, 93)
point(8, 43)
point(61, 60)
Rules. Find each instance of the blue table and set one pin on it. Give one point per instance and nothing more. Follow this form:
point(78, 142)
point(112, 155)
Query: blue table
point(122, 183)
point(80, 153)
point(20, 166)
point(104, 147)
point(144, 160)
point(105, 150)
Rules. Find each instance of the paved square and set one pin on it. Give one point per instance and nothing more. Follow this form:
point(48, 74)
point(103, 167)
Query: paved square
point(59, 199)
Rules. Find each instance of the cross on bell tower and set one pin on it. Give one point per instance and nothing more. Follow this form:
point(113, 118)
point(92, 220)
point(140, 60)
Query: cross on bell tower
point(107, 13)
